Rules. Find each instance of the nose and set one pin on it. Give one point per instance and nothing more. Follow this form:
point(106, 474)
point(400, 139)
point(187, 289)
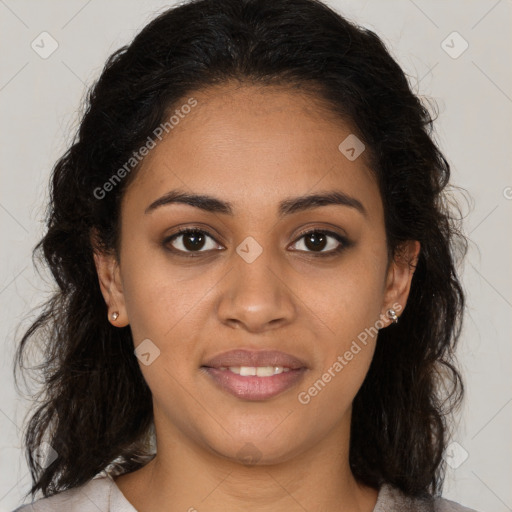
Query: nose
point(256, 296)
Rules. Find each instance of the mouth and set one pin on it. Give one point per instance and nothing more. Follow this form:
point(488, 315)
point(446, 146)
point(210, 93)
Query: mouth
point(255, 375)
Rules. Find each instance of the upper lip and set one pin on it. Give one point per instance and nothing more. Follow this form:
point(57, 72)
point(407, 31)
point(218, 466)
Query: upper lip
point(244, 357)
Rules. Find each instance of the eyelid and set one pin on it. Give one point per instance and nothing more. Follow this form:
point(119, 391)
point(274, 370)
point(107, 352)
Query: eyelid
point(185, 230)
point(343, 241)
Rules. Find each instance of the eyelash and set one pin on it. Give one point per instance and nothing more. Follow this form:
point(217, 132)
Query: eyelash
point(344, 242)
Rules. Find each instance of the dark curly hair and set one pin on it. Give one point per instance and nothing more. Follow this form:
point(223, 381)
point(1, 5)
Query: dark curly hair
point(95, 408)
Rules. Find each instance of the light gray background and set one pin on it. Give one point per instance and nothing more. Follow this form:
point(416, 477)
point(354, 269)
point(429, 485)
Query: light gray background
point(39, 99)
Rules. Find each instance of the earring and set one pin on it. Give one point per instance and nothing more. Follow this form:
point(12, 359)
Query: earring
point(392, 315)
point(115, 315)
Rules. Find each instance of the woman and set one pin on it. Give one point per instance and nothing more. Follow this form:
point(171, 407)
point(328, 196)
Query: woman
point(257, 302)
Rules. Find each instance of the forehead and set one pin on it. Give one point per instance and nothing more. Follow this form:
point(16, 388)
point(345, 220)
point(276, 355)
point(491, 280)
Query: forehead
point(252, 145)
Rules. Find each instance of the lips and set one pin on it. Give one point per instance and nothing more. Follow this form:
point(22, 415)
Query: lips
point(251, 358)
point(255, 375)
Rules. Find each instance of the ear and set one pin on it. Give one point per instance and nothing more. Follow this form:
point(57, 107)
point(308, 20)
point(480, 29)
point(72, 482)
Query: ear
point(399, 277)
point(107, 268)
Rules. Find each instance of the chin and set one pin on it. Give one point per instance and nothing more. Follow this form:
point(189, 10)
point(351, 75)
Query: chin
point(259, 449)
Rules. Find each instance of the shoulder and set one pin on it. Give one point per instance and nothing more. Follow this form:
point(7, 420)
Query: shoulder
point(391, 499)
point(91, 497)
point(444, 505)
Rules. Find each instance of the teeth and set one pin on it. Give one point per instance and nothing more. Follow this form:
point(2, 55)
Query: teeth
point(258, 371)
point(246, 371)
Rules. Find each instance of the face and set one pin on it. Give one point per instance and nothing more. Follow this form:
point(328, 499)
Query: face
point(297, 288)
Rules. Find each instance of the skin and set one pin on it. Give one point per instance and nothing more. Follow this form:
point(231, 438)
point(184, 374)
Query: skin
point(254, 147)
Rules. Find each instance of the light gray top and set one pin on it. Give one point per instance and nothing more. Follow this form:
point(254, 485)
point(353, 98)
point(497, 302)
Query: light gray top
point(101, 494)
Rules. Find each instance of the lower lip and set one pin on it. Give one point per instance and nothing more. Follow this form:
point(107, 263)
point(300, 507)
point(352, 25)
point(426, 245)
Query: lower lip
point(253, 387)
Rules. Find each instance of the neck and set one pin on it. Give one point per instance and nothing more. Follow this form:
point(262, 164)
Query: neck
point(186, 477)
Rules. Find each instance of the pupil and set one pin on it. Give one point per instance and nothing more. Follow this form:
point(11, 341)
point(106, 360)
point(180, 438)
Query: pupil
point(312, 244)
point(196, 238)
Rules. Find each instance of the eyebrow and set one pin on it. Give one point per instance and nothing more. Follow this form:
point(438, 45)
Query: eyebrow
point(286, 207)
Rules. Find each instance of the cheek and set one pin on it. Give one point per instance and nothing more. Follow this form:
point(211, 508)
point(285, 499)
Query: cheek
point(329, 393)
point(347, 300)
point(159, 295)
point(348, 306)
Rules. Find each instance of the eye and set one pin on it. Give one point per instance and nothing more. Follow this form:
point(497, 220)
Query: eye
point(190, 240)
point(316, 241)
